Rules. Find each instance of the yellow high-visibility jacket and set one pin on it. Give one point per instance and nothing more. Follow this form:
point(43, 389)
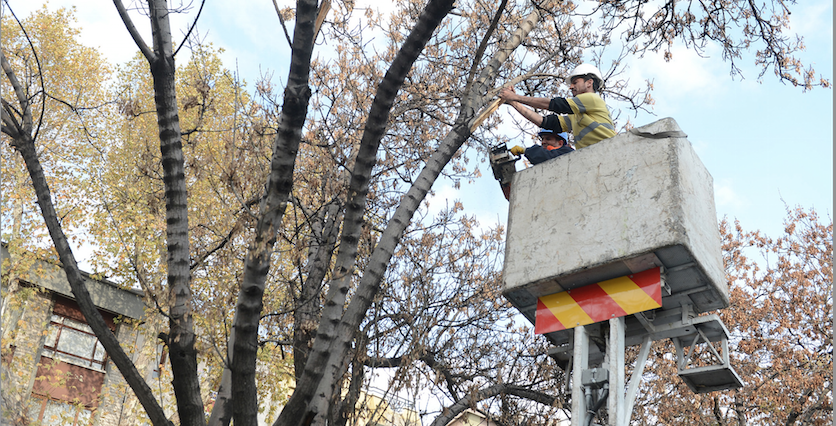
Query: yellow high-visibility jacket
point(586, 116)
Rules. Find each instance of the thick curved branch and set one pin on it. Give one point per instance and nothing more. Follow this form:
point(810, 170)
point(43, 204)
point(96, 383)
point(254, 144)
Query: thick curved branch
point(467, 402)
point(533, 395)
point(129, 24)
point(378, 362)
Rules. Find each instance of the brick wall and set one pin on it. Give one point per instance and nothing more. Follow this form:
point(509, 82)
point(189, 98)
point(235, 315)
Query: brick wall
point(24, 327)
point(119, 405)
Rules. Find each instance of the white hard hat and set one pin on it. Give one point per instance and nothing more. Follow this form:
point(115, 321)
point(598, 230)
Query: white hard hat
point(584, 69)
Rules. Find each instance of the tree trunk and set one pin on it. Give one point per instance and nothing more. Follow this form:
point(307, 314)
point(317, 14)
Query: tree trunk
point(257, 263)
point(181, 338)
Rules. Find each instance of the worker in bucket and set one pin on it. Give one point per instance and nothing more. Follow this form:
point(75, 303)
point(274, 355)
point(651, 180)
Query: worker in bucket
point(585, 114)
point(552, 145)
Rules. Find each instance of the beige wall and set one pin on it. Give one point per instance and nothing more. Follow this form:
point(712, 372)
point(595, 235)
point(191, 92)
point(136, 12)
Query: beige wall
point(472, 418)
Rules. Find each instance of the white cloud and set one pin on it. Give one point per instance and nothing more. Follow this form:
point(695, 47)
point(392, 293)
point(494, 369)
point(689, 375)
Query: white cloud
point(726, 198)
point(813, 21)
point(681, 81)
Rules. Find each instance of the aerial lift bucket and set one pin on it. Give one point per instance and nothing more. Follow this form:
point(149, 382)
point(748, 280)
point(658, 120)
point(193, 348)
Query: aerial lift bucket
point(581, 225)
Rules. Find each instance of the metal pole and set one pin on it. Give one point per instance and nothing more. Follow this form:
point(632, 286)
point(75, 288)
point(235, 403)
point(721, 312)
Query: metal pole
point(580, 362)
point(615, 358)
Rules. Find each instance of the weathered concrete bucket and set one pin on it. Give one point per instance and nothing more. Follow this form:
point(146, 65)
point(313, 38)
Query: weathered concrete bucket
point(605, 213)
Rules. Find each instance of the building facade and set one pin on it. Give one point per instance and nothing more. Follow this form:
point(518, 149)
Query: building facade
point(54, 369)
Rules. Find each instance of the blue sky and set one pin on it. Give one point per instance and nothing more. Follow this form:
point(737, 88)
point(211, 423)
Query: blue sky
point(766, 144)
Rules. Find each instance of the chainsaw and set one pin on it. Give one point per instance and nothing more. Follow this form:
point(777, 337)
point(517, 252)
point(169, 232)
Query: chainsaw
point(503, 163)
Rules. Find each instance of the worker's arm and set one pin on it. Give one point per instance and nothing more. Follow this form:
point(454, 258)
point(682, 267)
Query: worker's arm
point(526, 112)
point(509, 95)
point(536, 154)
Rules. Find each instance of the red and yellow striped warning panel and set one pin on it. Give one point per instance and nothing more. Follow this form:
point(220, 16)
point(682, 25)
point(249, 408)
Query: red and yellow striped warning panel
point(597, 302)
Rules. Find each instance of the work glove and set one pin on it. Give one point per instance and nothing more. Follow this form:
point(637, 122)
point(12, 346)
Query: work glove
point(517, 150)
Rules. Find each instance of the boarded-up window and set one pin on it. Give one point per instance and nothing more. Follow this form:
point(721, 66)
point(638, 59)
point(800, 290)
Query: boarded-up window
point(71, 370)
point(67, 382)
point(71, 340)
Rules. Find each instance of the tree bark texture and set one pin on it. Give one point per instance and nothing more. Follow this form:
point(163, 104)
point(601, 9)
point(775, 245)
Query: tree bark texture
point(181, 339)
point(257, 263)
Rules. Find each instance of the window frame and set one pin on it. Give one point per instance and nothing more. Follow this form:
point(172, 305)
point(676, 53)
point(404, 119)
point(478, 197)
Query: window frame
point(41, 402)
point(64, 329)
point(67, 309)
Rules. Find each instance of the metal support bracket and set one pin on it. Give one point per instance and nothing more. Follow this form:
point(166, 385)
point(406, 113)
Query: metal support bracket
point(635, 379)
point(700, 365)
